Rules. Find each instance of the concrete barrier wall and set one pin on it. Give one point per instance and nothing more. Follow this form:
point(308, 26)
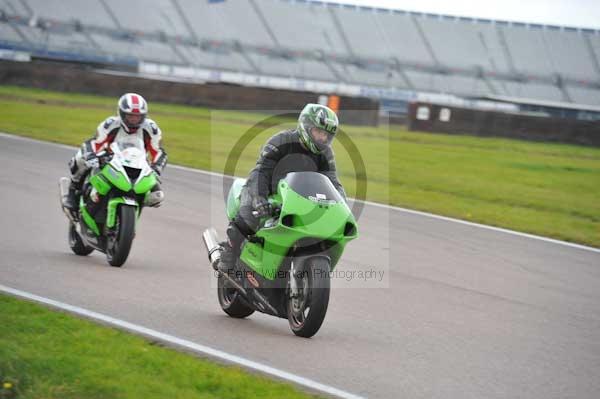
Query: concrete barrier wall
point(446, 119)
point(84, 79)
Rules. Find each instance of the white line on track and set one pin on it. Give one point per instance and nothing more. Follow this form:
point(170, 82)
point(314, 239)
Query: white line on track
point(395, 208)
point(206, 350)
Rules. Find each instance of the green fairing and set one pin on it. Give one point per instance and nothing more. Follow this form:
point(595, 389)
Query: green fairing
point(100, 184)
point(233, 199)
point(117, 178)
point(145, 184)
point(310, 219)
point(111, 213)
point(88, 219)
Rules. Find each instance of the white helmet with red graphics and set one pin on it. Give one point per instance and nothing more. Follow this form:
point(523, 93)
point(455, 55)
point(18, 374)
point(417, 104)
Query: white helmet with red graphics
point(132, 110)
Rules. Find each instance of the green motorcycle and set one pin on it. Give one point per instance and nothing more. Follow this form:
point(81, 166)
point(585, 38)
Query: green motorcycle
point(112, 198)
point(284, 269)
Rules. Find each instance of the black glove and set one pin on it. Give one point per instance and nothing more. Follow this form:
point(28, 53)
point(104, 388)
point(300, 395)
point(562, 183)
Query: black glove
point(262, 206)
point(104, 157)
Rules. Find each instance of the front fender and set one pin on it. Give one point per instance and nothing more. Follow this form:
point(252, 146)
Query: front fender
point(113, 203)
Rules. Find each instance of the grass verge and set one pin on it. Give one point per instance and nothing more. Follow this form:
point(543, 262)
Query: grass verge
point(48, 354)
point(541, 188)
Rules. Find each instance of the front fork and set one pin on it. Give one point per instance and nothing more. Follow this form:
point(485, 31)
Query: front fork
point(113, 203)
point(293, 282)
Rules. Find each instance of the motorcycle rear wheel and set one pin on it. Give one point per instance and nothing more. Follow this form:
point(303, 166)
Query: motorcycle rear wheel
point(76, 243)
point(230, 300)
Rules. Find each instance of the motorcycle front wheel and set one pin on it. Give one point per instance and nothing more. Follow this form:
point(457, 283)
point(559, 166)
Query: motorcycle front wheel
point(118, 242)
point(307, 308)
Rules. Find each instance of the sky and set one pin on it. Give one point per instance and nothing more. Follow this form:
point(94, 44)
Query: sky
point(577, 13)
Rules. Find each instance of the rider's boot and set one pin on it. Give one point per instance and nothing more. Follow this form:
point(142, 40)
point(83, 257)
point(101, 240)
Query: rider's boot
point(71, 201)
point(231, 249)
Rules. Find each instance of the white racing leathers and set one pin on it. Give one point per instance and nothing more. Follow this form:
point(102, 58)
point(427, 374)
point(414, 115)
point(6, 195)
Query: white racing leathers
point(110, 131)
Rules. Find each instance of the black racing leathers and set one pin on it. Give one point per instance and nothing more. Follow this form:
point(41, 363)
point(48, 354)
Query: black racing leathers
point(283, 153)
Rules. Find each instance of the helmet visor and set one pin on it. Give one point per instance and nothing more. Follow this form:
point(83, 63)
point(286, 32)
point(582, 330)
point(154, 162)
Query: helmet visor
point(321, 138)
point(133, 120)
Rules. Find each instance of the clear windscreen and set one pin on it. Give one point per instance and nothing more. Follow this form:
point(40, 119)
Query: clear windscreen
point(131, 152)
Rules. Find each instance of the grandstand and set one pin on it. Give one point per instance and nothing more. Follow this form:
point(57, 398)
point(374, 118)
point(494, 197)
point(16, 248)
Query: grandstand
point(388, 54)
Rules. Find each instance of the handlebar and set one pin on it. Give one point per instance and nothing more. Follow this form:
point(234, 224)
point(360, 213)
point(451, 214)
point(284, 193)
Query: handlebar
point(104, 159)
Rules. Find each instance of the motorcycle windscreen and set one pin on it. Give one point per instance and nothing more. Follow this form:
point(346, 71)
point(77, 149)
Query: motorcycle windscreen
point(314, 186)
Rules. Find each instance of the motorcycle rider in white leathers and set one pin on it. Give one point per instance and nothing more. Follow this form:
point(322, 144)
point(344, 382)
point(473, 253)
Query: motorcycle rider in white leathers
point(131, 124)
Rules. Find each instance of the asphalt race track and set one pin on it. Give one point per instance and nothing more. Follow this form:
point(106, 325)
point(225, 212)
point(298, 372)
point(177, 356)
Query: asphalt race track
point(459, 311)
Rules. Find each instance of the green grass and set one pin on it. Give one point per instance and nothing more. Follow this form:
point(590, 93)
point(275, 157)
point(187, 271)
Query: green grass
point(541, 188)
point(47, 354)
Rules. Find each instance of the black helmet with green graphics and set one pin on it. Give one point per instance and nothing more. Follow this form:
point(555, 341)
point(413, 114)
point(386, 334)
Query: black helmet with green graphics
point(317, 125)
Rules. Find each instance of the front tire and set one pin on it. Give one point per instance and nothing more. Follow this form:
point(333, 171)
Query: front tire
point(230, 300)
point(118, 243)
point(306, 311)
point(76, 242)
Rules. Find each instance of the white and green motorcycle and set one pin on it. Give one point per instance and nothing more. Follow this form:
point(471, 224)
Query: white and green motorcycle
point(112, 198)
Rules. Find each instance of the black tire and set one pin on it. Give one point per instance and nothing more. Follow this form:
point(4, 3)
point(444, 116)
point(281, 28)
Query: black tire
point(118, 243)
point(230, 300)
point(76, 243)
point(306, 313)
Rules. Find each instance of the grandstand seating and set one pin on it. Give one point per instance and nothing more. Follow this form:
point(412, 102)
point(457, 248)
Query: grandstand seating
point(87, 12)
point(465, 45)
point(9, 34)
point(461, 85)
point(318, 41)
point(162, 16)
point(230, 61)
point(584, 95)
point(570, 55)
point(14, 7)
point(530, 90)
point(226, 20)
point(308, 28)
point(403, 38)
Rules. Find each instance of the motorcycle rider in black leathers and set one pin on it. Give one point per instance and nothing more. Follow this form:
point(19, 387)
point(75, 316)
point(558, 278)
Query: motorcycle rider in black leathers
point(306, 148)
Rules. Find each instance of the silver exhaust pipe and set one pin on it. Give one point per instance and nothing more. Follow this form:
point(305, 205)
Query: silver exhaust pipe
point(211, 241)
point(63, 187)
